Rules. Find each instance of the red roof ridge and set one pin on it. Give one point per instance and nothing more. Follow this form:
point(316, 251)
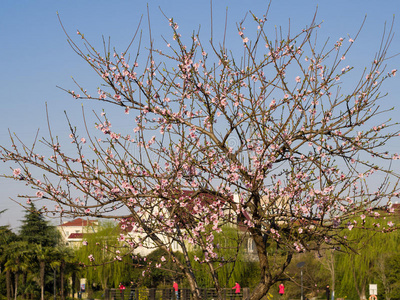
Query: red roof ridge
point(79, 222)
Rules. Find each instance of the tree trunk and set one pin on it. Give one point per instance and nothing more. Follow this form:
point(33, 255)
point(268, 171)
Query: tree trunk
point(194, 288)
point(24, 276)
point(8, 283)
point(42, 269)
point(215, 281)
point(62, 267)
point(16, 278)
point(267, 279)
point(73, 284)
point(363, 296)
point(260, 291)
point(360, 289)
point(265, 276)
point(333, 274)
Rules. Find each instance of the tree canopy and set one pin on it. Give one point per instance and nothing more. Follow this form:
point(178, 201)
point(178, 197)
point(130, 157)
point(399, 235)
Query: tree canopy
point(36, 230)
point(276, 141)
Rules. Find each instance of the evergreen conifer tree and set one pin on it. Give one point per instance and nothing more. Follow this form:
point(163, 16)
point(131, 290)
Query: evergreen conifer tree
point(36, 230)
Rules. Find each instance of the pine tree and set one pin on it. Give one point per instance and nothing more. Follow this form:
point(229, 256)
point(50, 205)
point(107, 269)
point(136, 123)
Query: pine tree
point(36, 230)
point(41, 239)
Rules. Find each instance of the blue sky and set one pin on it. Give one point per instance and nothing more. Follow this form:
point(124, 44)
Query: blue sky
point(36, 57)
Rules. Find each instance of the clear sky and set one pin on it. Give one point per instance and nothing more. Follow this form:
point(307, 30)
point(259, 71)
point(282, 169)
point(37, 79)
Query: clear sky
point(36, 57)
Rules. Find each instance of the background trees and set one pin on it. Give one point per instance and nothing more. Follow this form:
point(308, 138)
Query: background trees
point(367, 263)
point(277, 140)
point(6, 238)
point(20, 263)
point(35, 229)
point(32, 258)
point(242, 267)
point(100, 250)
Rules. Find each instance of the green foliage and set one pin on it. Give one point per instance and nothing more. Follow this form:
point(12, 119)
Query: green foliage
point(392, 272)
point(315, 276)
point(166, 273)
point(32, 256)
point(143, 293)
point(239, 267)
point(36, 230)
point(110, 259)
point(360, 267)
point(7, 237)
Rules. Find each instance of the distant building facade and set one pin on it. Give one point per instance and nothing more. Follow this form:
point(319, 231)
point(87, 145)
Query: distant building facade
point(73, 231)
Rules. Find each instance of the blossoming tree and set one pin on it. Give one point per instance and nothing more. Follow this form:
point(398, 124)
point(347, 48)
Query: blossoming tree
point(281, 142)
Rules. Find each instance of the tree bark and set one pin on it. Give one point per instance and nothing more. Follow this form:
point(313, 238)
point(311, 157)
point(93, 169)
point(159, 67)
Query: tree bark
point(8, 283)
point(62, 267)
point(16, 278)
point(24, 276)
point(265, 280)
point(42, 269)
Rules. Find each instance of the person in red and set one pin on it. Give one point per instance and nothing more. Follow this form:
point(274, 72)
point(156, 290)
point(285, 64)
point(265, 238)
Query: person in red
point(237, 289)
point(281, 289)
point(176, 289)
point(121, 290)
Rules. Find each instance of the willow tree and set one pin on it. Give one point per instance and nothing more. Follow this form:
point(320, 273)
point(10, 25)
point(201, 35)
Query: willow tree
point(101, 256)
point(365, 262)
point(284, 126)
point(242, 265)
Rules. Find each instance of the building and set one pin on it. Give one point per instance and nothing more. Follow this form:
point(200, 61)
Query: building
point(185, 216)
point(73, 231)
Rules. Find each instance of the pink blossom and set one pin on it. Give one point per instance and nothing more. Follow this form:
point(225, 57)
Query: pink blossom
point(394, 72)
point(39, 194)
point(84, 243)
point(298, 79)
point(91, 258)
point(245, 40)
point(16, 172)
point(83, 140)
point(272, 104)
